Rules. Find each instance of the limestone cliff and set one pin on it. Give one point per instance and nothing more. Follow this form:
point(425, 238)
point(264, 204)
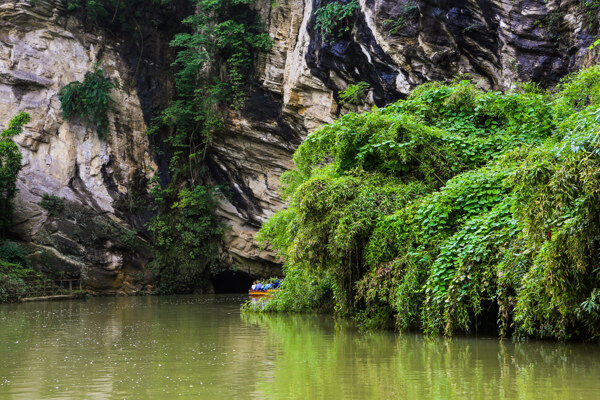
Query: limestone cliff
point(394, 45)
point(41, 50)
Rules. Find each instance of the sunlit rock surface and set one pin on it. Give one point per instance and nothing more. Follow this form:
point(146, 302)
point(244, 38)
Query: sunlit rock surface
point(40, 52)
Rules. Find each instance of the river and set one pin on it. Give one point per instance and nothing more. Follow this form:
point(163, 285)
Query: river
point(201, 347)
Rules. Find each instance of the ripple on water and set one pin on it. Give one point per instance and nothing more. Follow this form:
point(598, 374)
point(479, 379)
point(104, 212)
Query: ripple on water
point(201, 347)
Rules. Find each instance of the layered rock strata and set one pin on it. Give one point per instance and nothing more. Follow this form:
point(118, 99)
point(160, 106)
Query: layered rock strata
point(41, 51)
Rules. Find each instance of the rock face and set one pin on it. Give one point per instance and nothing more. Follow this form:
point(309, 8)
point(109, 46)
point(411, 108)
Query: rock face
point(394, 45)
point(40, 52)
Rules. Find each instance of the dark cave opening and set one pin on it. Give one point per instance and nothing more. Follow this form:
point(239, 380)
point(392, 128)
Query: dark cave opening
point(232, 282)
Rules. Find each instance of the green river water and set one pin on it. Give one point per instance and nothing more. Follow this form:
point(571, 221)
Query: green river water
point(202, 348)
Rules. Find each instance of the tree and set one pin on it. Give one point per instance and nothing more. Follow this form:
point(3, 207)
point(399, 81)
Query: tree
point(10, 165)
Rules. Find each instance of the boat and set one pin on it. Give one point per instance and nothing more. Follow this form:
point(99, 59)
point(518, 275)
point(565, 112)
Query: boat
point(264, 290)
point(257, 294)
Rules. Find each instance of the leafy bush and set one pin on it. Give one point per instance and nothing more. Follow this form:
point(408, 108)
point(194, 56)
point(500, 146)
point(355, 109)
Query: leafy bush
point(354, 94)
point(591, 9)
point(13, 253)
point(10, 166)
point(185, 237)
point(11, 289)
point(334, 19)
point(53, 204)
point(16, 281)
point(89, 100)
point(302, 291)
point(453, 210)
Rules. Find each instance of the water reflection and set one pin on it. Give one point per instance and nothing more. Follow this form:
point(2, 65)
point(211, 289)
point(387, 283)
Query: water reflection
point(201, 347)
point(337, 362)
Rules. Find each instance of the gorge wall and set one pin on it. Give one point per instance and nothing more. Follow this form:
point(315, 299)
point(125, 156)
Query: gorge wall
point(498, 43)
point(393, 46)
point(42, 50)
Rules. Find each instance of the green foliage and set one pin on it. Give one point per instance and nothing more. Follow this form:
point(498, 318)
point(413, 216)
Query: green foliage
point(552, 21)
point(591, 9)
point(89, 100)
point(11, 252)
point(186, 233)
point(355, 94)
point(53, 204)
point(302, 291)
point(16, 278)
point(453, 210)
point(335, 18)
point(16, 281)
point(409, 14)
point(10, 166)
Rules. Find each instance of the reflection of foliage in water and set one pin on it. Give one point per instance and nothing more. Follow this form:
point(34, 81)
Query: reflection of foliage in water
point(164, 347)
point(321, 358)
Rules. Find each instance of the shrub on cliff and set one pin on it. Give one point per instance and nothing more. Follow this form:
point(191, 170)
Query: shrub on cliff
point(334, 19)
point(213, 60)
point(16, 281)
point(89, 100)
point(453, 210)
point(186, 232)
point(10, 166)
point(354, 94)
point(11, 252)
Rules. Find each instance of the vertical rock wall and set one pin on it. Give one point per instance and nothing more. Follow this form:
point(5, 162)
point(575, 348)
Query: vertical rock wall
point(41, 50)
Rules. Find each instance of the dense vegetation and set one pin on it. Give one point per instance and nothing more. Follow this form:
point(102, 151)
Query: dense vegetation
point(354, 94)
point(452, 211)
point(335, 18)
point(16, 278)
point(213, 58)
point(409, 14)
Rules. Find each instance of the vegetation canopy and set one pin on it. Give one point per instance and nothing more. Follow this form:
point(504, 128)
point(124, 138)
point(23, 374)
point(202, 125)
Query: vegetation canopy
point(454, 210)
point(354, 94)
point(15, 275)
point(334, 19)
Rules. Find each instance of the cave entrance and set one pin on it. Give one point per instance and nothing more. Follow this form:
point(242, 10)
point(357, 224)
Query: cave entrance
point(232, 282)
